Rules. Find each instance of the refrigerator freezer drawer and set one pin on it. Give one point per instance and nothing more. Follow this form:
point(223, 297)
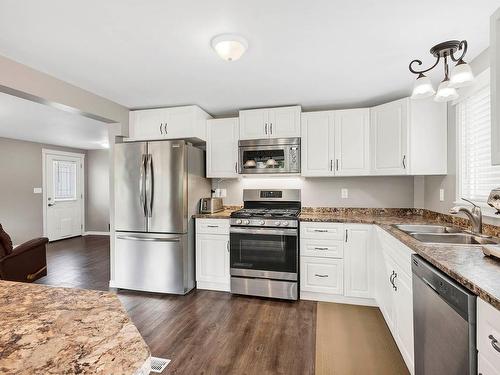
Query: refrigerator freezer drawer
point(153, 262)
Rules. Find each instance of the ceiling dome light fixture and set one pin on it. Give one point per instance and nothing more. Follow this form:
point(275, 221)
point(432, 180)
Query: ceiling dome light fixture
point(229, 47)
point(461, 74)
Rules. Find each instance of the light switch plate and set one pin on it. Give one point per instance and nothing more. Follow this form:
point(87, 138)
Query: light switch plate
point(441, 195)
point(37, 190)
point(344, 193)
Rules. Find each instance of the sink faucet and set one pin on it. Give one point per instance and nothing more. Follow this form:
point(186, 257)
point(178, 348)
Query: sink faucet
point(475, 215)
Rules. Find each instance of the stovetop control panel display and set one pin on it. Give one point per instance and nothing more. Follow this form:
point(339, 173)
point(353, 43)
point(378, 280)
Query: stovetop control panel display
point(271, 194)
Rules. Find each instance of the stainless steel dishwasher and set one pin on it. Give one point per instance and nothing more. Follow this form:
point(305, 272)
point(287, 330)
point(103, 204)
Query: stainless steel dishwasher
point(444, 323)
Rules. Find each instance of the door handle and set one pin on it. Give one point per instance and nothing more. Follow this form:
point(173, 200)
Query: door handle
point(212, 226)
point(346, 235)
point(227, 246)
point(236, 167)
point(404, 159)
point(142, 183)
point(149, 239)
point(161, 128)
point(494, 343)
point(271, 128)
point(331, 164)
point(321, 248)
point(149, 185)
point(265, 128)
point(321, 230)
point(393, 280)
point(165, 128)
point(337, 164)
point(51, 204)
point(390, 278)
point(318, 275)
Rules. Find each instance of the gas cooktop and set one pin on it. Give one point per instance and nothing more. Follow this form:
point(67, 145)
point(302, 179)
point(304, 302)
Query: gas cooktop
point(266, 213)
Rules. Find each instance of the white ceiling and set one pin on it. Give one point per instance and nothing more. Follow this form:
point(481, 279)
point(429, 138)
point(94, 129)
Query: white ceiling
point(321, 53)
point(30, 121)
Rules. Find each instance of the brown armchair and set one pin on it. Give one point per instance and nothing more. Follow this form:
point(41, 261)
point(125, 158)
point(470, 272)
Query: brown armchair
point(27, 262)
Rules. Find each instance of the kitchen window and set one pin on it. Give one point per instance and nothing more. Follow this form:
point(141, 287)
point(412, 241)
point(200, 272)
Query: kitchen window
point(476, 176)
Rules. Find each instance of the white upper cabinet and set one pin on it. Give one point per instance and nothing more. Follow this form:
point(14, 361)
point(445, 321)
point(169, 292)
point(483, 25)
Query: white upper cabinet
point(282, 122)
point(352, 142)
point(389, 126)
point(317, 143)
point(335, 143)
point(222, 148)
point(168, 123)
point(409, 137)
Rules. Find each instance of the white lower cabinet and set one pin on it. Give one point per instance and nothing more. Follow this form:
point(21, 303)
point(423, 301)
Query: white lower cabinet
point(393, 291)
point(212, 254)
point(488, 338)
point(335, 262)
point(322, 275)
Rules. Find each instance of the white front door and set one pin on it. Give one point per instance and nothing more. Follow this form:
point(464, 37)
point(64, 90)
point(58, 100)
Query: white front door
point(63, 176)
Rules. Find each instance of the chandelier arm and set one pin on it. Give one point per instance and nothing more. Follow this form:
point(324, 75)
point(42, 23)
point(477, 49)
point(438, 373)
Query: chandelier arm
point(418, 62)
point(461, 46)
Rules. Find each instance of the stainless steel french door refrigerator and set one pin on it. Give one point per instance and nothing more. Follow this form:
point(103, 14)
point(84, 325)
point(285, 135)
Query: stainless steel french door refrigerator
point(158, 186)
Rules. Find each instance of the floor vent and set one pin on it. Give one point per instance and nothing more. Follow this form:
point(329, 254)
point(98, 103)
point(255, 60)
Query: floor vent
point(159, 364)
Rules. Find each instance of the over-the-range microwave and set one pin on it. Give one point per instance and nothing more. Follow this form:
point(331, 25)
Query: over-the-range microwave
point(269, 156)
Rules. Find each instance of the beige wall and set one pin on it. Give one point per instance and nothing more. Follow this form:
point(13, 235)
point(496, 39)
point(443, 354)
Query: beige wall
point(21, 211)
point(97, 191)
point(326, 192)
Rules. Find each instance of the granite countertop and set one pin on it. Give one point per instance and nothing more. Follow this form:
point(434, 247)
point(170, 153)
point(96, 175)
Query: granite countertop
point(49, 330)
point(218, 215)
point(464, 263)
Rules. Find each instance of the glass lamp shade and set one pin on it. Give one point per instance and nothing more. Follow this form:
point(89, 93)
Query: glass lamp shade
point(229, 47)
point(461, 75)
point(445, 92)
point(422, 88)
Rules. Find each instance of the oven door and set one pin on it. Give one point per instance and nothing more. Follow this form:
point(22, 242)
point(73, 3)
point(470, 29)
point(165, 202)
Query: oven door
point(270, 253)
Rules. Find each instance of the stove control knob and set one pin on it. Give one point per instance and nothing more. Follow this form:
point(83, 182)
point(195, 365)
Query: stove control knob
point(262, 222)
point(285, 223)
point(277, 223)
point(238, 221)
point(246, 222)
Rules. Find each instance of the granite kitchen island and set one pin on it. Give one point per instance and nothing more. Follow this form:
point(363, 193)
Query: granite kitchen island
point(51, 330)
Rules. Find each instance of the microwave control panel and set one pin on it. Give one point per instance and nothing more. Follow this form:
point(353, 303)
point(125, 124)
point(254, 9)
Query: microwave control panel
point(294, 158)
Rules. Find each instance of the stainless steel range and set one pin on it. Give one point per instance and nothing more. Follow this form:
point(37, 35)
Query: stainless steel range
point(264, 244)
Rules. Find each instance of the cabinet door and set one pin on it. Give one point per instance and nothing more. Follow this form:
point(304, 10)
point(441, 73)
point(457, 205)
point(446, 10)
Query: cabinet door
point(321, 275)
point(389, 136)
point(317, 143)
point(253, 124)
point(284, 122)
point(352, 142)
point(222, 148)
point(404, 315)
point(357, 272)
point(212, 262)
point(178, 122)
point(385, 295)
point(145, 124)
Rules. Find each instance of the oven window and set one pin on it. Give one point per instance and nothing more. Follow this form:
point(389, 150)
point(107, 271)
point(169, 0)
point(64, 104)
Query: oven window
point(264, 252)
point(264, 159)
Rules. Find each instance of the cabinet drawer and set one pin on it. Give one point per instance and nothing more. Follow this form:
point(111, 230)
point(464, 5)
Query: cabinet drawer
point(212, 226)
point(488, 333)
point(322, 275)
point(321, 248)
point(329, 231)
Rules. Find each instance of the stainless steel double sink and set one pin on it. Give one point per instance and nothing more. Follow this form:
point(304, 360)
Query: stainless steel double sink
point(438, 234)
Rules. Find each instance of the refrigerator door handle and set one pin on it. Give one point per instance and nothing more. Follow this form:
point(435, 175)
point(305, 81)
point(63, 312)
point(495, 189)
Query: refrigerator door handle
point(152, 239)
point(149, 185)
point(142, 182)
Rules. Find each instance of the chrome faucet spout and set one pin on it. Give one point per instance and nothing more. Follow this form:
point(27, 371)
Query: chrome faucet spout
point(475, 216)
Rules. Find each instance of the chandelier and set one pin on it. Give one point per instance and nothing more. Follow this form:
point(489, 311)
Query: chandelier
point(461, 75)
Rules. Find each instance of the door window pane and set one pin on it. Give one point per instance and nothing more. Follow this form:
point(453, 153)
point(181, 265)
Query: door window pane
point(64, 180)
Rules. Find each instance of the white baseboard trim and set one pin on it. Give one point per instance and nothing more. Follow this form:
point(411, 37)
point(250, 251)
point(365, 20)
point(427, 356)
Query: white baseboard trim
point(210, 285)
point(95, 233)
point(324, 297)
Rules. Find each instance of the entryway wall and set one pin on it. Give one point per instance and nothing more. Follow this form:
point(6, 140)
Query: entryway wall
point(21, 210)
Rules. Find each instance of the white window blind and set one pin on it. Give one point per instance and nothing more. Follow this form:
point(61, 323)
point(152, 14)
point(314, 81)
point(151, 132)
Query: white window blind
point(64, 180)
point(476, 174)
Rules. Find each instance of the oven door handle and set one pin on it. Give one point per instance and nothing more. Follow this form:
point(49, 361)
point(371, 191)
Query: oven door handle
point(273, 231)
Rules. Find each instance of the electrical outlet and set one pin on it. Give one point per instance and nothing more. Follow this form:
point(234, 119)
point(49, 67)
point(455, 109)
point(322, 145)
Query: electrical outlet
point(441, 195)
point(37, 190)
point(344, 193)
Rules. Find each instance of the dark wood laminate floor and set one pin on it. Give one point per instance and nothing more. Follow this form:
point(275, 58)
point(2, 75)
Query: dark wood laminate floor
point(204, 332)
